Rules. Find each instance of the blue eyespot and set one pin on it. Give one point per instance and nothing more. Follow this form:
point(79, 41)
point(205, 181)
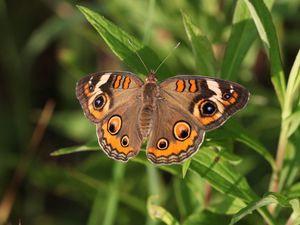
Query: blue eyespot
point(100, 101)
point(208, 108)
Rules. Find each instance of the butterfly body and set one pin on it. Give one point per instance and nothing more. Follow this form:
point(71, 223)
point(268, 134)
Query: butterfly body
point(173, 115)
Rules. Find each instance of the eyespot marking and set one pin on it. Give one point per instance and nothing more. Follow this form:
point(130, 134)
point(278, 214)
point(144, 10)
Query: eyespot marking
point(100, 101)
point(207, 108)
point(125, 141)
point(162, 144)
point(182, 130)
point(114, 124)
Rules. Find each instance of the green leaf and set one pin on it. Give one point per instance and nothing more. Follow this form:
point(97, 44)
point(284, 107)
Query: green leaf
point(206, 217)
point(185, 167)
point(91, 146)
point(295, 217)
point(220, 174)
point(202, 48)
point(124, 45)
point(242, 36)
point(256, 146)
point(266, 29)
point(157, 212)
point(227, 206)
point(241, 135)
point(270, 198)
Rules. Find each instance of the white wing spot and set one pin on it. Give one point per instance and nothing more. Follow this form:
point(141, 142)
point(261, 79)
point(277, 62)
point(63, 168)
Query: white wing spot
point(214, 86)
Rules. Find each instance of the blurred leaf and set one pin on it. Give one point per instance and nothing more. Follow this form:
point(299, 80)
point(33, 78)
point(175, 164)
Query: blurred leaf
point(73, 125)
point(112, 199)
point(51, 29)
point(294, 191)
point(242, 36)
point(157, 212)
point(290, 171)
point(206, 217)
point(202, 48)
point(270, 198)
point(124, 45)
point(266, 29)
point(91, 146)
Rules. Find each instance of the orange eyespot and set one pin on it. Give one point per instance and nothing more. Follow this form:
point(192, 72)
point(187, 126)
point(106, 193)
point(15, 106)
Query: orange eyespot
point(99, 101)
point(114, 124)
point(162, 144)
point(182, 130)
point(125, 141)
point(208, 108)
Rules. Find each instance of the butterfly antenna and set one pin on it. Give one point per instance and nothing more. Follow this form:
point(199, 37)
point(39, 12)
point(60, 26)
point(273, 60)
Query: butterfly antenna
point(170, 53)
point(137, 54)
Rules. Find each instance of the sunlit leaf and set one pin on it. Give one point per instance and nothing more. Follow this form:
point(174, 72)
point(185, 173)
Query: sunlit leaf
point(157, 212)
point(271, 198)
point(123, 44)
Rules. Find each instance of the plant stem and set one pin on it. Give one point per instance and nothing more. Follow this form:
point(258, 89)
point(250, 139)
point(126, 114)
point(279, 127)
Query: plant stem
point(25, 162)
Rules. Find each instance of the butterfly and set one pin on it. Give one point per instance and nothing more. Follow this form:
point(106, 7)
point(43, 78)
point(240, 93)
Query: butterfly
point(173, 115)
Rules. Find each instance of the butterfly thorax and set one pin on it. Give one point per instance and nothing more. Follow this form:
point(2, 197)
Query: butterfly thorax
point(150, 93)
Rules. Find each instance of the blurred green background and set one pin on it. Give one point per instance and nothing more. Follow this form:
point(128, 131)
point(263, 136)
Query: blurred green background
point(47, 45)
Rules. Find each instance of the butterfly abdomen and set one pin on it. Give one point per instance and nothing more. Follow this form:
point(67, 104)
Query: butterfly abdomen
point(146, 119)
point(149, 106)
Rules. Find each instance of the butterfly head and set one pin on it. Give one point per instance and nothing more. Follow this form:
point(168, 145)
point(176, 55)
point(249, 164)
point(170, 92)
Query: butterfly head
point(151, 77)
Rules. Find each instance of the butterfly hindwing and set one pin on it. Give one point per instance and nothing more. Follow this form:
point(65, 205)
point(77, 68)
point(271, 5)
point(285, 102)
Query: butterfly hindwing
point(175, 135)
point(108, 99)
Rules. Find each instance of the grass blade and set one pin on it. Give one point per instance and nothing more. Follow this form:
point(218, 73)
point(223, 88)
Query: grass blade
point(92, 146)
point(112, 200)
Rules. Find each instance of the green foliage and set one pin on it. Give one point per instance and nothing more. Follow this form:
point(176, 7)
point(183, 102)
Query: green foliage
point(252, 155)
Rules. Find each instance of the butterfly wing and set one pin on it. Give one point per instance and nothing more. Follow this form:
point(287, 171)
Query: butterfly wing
point(112, 100)
point(175, 134)
point(211, 101)
point(188, 106)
